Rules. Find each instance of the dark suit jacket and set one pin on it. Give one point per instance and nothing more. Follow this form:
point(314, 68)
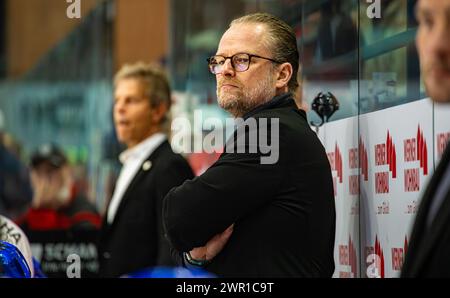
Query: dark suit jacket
point(284, 213)
point(135, 239)
point(428, 254)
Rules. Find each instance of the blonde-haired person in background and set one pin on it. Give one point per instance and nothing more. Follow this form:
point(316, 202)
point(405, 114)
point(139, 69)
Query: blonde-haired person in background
point(132, 236)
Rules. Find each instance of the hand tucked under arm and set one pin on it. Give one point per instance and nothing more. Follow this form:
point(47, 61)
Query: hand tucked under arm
point(213, 247)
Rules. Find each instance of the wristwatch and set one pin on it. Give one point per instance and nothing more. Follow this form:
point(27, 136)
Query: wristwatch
point(194, 262)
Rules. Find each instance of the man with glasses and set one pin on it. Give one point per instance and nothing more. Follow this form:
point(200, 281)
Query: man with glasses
point(244, 218)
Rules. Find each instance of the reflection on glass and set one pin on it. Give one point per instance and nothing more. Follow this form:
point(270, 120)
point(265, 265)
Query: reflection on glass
point(336, 34)
point(389, 64)
point(385, 78)
point(393, 20)
point(329, 54)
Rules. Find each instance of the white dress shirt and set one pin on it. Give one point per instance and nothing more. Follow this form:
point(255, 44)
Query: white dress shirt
point(132, 160)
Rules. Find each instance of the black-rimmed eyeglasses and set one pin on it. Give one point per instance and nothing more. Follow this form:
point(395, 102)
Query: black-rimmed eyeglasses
point(240, 62)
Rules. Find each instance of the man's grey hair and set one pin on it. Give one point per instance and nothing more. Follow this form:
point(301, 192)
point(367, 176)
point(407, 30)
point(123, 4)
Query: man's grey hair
point(281, 41)
point(156, 83)
point(154, 78)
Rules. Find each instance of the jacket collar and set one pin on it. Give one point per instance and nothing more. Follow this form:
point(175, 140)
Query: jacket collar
point(276, 101)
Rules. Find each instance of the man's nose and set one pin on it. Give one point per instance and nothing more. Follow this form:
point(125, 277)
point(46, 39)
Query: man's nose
point(227, 68)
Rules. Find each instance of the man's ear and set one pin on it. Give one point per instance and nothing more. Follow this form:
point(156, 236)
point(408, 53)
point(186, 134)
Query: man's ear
point(158, 113)
point(284, 74)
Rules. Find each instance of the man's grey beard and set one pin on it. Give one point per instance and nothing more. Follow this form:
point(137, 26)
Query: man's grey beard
point(238, 105)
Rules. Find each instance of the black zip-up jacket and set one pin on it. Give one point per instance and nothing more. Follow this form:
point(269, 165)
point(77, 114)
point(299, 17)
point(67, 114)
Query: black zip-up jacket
point(284, 213)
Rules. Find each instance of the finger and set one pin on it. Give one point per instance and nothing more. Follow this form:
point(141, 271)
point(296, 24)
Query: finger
point(230, 228)
point(219, 241)
point(226, 235)
point(198, 253)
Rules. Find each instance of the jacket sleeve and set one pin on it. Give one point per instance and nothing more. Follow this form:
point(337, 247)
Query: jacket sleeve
point(174, 174)
point(235, 186)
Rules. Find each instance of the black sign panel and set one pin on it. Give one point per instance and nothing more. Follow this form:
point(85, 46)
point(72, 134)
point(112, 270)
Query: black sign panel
point(66, 254)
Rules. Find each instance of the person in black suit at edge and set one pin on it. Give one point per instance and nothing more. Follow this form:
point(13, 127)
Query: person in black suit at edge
point(428, 254)
point(247, 216)
point(132, 235)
